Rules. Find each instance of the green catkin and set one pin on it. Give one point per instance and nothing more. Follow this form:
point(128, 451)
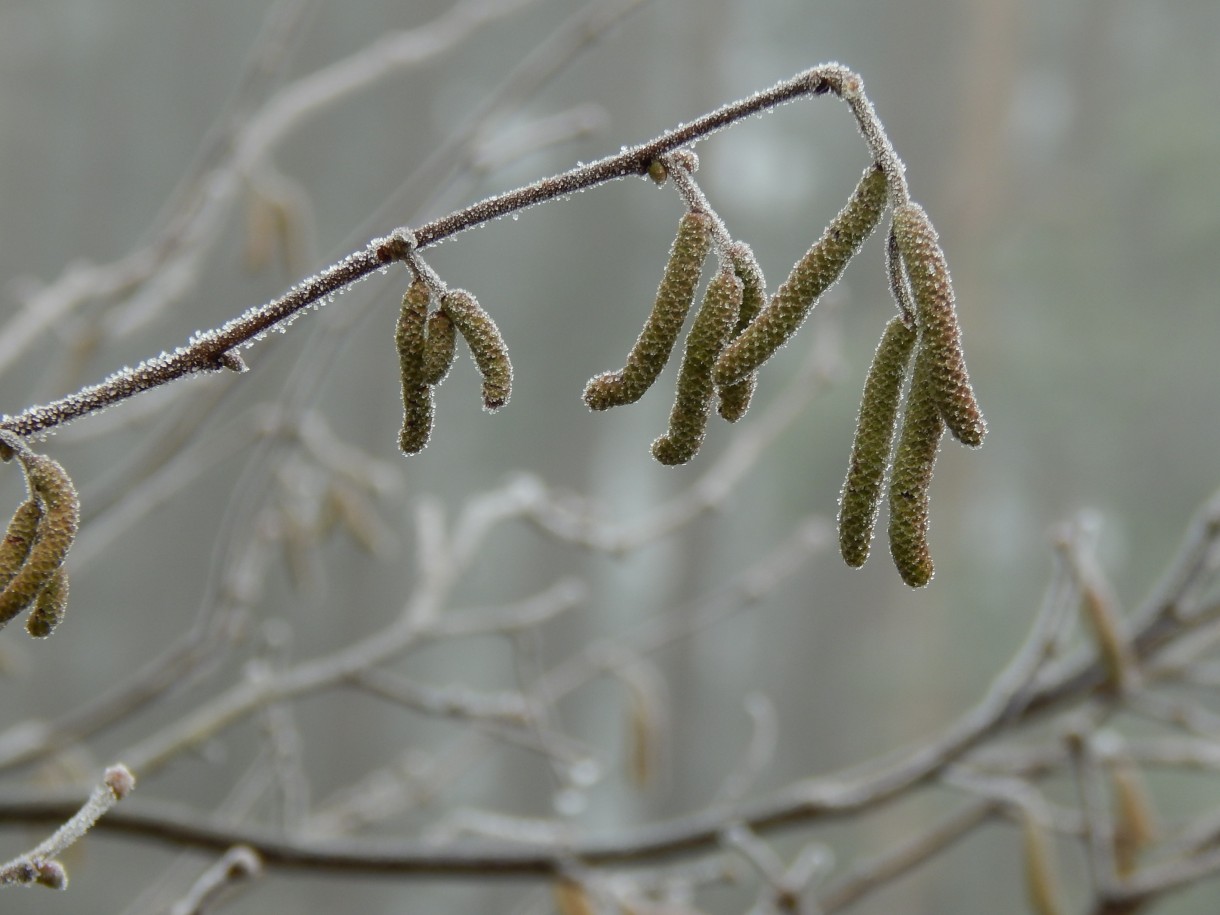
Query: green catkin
point(911, 476)
point(936, 313)
point(416, 392)
point(49, 607)
point(440, 347)
point(708, 334)
point(675, 295)
point(870, 452)
point(735, 397)
point(52, 488)
point(811, 276)
point(486, 346)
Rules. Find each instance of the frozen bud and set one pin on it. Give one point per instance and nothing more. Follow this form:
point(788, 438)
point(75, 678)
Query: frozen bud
point(120, 780)
point(51, 874)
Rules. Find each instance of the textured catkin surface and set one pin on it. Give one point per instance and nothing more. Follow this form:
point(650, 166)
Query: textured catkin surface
point(692, 405)
point(486, 346)
point(416, 392)
point(440, 347)
point(811, 276)
point(911, 477)
point(51, 487)
point(735, 397)
point(932, 290)
point(49, 607)
point(17, 540)
point(870, 453)
point(652, 348)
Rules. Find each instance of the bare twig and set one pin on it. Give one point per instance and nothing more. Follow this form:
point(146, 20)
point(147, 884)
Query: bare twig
point(213, 350)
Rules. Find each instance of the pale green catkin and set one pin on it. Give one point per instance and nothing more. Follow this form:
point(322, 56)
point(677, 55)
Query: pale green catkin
point(911, 476)
point(932, 290)
point(708, 334)
point(416, 392)
point(734, 399)
point(49, 607)
point(440, 347)
point(870, 452)
point(811, 276)
point(52, 488)
point(486, 346)
point(675, 295)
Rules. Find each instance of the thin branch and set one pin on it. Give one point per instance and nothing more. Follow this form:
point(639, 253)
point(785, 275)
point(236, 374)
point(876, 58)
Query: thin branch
point(877, 871)
point(214, 350)
point(236, 865)
point(39, 865)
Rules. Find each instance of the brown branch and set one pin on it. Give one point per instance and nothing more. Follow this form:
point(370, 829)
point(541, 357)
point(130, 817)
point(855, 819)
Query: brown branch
point(217, 349)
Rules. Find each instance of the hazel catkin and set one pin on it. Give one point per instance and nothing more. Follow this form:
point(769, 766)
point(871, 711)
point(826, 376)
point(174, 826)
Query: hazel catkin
point(692, 405)
point(811, 276)
point(416, 392)
point(870, 452)
point(440, 347)
point(734, 399)
point(911, 475)
point(49, 606)
point(485, 343)
point(17, 540)
point(675, 296)
point(54, 532)
point(932, 289)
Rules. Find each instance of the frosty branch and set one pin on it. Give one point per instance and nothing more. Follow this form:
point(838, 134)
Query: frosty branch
point(216, 350)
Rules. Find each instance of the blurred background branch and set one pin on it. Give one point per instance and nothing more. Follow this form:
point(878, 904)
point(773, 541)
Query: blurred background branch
point(530, 651)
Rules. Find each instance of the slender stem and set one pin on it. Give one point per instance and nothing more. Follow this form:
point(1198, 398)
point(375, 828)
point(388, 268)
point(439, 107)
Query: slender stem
point(215, 350)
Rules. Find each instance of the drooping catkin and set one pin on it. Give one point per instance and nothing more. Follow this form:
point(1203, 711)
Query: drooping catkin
point(675, 295)
point(932, 290)
point(811, 276)
point(440, 347)
point(52, 488)
point(486, 346)
point(734, 399)
point(870, 452)
point(1135, 820)
point(911, 476)
point(49, 606)
point(708, 334)
point(416, 392)
point(17, 539)
point(1042, 883)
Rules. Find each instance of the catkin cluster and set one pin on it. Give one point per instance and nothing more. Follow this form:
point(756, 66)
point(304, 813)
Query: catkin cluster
point(938, 397)
point(36, 543)
point(916, 389)
point(427, 346)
